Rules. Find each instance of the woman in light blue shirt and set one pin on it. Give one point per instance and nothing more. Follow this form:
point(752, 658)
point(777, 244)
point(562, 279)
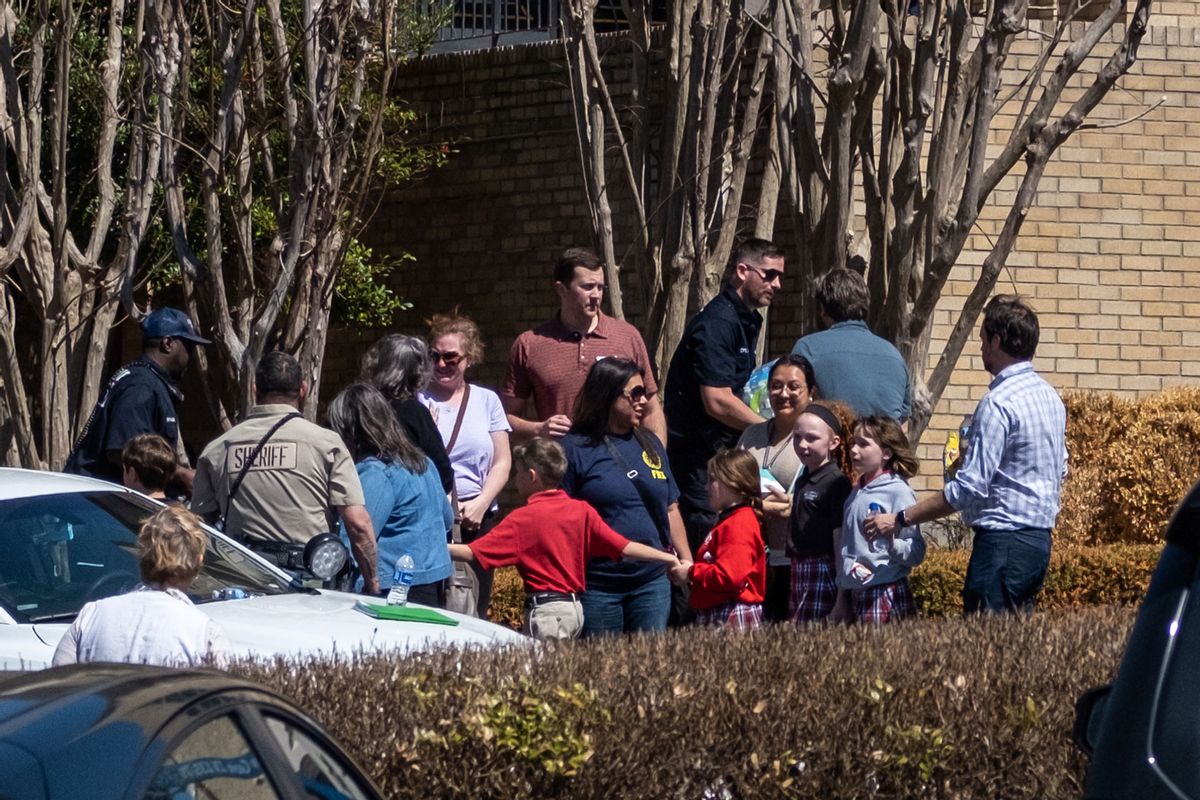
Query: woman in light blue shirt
point(409, 510)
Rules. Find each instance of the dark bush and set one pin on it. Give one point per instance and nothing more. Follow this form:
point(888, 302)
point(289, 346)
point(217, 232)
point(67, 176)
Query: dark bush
point(931, 708)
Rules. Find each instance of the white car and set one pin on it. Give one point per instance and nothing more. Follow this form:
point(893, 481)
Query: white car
point(66, 540)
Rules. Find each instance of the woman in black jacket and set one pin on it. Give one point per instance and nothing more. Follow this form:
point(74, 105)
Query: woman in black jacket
point(399, 366)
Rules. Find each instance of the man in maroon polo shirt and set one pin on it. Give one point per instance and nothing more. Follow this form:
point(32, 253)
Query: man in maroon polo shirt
point(549, 363)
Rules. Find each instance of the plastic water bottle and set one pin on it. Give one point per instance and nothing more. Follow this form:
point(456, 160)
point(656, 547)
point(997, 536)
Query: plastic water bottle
point(402, 579)
point(874, 509)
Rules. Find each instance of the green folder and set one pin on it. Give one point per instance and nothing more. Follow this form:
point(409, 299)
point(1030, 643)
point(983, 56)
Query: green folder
point(404, 613)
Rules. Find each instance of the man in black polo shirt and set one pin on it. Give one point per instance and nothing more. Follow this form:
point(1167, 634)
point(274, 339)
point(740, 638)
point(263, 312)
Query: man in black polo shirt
point(140, 398)
point(711, 365)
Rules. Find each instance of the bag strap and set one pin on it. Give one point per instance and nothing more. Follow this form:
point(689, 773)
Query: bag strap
point(237, 482)
point(462, 411)
point(663, 523)
point(456, 528)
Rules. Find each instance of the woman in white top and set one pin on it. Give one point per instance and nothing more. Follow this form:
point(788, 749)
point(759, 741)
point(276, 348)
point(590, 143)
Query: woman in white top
point(790, 388)
point(156, 623)
point(480, 452)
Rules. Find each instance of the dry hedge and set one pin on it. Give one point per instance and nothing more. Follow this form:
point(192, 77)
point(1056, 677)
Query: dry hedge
point(1116, 574)
point(1131, 463)
point(930, 708)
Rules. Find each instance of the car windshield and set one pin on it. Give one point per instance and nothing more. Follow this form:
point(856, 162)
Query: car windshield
point(64, 550)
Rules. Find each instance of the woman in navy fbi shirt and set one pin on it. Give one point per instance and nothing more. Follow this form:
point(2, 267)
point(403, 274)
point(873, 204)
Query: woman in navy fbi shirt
point(621, 469)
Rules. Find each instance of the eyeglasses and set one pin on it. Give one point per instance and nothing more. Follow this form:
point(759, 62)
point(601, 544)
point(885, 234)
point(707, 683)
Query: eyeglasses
point(636, 395)
point(768, 275)
point(450, 359)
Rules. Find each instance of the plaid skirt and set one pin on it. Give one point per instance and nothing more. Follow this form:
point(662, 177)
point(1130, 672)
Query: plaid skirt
point(735, 616)
point(887, 602)
point(814, 589)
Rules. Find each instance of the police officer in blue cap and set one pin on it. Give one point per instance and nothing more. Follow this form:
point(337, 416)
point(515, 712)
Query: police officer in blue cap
point(140, 398)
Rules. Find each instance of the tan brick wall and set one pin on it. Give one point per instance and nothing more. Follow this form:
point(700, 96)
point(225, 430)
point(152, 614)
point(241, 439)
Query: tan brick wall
point(1107, 256)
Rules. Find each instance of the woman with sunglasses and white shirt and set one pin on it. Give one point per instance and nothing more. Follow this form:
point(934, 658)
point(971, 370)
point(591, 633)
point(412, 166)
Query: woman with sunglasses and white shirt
point(479, 454)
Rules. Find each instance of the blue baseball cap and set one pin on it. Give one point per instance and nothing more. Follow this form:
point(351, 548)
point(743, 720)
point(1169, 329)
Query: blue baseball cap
point(173, 323)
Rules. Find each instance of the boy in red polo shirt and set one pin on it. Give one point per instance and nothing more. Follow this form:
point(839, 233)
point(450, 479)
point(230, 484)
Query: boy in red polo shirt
point(550, 539)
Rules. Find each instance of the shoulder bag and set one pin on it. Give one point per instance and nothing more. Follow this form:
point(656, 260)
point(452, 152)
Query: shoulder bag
point(462, 587)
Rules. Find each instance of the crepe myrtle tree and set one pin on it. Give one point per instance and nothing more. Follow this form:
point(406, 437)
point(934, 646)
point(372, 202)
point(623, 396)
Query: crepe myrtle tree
point(832, 102)
point(78, 182)
point(227, 147)
point(275, 117)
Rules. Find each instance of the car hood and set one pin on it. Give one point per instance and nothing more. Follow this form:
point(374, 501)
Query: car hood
point(324, 623)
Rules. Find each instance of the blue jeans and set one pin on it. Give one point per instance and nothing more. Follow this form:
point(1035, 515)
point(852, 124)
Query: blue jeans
point(643, 608)
point(1007, 570)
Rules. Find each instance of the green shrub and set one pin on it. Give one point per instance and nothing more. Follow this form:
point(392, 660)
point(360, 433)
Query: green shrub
point(930, 708)
point(1078, 577)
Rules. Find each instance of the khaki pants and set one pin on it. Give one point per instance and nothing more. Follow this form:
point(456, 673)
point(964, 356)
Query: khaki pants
point(561, 619)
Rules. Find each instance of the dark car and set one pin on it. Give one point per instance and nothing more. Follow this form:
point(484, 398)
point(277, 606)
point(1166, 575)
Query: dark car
point(1143, 731)
point(122, 731)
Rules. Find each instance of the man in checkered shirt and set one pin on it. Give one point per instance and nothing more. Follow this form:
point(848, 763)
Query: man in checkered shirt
point(1008, 486)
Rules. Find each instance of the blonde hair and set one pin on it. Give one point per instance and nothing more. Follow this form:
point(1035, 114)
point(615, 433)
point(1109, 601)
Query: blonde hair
point(171, 547)
point(454, 322)
point(739, 470)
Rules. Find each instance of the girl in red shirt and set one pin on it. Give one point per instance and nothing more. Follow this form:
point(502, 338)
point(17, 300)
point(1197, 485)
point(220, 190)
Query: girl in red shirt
point(729, 577)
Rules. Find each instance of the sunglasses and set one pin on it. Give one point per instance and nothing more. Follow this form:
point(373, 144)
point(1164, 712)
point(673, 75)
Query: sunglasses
point(768, 275)
point(450, 359)
point(636, 395)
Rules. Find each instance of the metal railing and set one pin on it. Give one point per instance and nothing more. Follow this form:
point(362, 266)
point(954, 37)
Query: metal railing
point(482, 24)
point(477, 24)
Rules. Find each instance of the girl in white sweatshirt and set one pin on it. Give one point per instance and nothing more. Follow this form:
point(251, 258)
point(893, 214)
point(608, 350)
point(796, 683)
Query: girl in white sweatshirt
point(875, 570)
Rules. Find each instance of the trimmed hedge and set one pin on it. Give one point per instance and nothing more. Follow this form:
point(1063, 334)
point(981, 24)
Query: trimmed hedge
point(1078, 577)
point(1131, 462)
point(925, 709)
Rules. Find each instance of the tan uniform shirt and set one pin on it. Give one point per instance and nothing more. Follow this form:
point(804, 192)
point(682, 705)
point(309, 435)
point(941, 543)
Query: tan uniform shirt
point(287, 495)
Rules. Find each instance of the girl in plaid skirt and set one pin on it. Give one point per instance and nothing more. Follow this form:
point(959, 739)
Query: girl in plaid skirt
point(729, 577)
point(875, 569)
point(817, 502)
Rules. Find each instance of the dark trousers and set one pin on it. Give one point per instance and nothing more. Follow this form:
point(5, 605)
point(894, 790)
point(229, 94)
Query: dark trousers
point(698, 520)
point(1006, 570)
point(426, 594)
point(779, 589)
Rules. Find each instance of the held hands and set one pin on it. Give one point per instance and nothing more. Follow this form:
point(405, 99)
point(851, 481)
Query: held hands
point(556, 427)
point(679, 573)
point(878, 525)
point(471, 513)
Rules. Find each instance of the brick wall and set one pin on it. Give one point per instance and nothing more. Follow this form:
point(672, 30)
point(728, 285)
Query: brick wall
point(1106, 255)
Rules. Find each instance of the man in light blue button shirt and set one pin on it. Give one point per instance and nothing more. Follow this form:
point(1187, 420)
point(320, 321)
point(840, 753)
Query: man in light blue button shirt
point(1008, 486)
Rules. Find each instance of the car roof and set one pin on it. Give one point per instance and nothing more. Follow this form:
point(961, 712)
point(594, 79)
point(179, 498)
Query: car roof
point(97, 714)
point(149, 696)
point(17, 483)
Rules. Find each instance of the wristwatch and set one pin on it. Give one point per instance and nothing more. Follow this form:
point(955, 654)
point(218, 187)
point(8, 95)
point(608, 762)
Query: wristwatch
point(901, 522)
